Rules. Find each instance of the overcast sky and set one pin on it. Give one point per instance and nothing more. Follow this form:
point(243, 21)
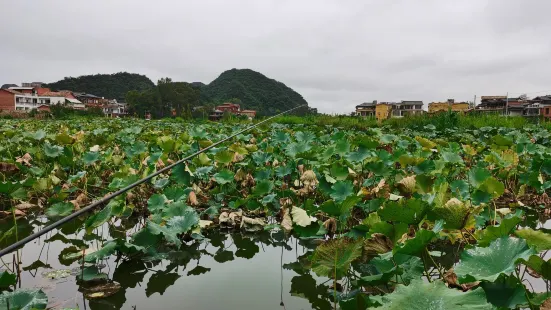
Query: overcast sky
point(336, 53)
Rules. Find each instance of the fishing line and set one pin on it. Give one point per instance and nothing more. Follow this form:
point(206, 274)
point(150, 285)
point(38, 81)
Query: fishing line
point(105, 199)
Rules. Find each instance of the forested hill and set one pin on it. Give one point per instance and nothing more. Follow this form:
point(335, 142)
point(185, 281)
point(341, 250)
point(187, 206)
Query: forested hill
point(254, 90)
point(112, 86)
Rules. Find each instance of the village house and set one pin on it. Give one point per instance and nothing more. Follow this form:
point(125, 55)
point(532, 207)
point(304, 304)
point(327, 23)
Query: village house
point(231, 108)
point(32, 84)
point(28, 98)
point(383, 110)
point(449, 105)
point(115, 109)
point(538, 106)
point(248, 113)
point(492, 104)
point(503, 105)
point(406, 108)
point(366, 109)
point(91, 101)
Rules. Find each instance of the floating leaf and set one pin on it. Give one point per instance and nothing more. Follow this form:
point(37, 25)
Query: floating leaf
point(341, 190)
point(488, 263)
point(224, 176)
point(24, 299)
point(535, 238)
point(436, 295)
point(60, 209)
point(333, 257)
point(7, 279)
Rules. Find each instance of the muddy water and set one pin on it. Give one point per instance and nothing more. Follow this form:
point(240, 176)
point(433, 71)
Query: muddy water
point(223, 271)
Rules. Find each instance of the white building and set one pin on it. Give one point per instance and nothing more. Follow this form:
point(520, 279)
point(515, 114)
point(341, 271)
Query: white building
point(25, 102)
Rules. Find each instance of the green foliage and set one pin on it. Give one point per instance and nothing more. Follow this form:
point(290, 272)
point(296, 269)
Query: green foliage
point(254, 90)
point(112, 86)
point(24, 299)
point(420, 296)
point(490, 262)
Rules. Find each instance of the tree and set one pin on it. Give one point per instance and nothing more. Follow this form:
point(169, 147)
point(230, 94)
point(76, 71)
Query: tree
point(523, 97)
point(160, 100)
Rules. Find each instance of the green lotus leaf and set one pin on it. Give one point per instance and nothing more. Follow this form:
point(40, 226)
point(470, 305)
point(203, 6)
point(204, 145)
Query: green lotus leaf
point(360, 155)
point(451, 157)
point(156, 202)
point(224, 157)
point(294, 149)
point(282, 171)
point(166, 143)
point(52, 150)
point(175, 193)
point(60, 209)
point(333, 257)
point(108, 249)
point(539, 265)
point(263, 187)
point(161, 183)
point(204, 159)
point(455, 213)
point(341, 190)
point(505, 292)
point(305, 137)
point(99, 218)
point(491, 233)
point(436, 295)
point(24, 299)
point(502, 141)
point(409, 211)
point(224, 176)
point(64, 139)
point(426, 143)
point(92, 274)
point(406, 267)
point(180, 175)
point(486, 264)
point(7, 279)
point(387, 138)
point(342, 147)
point(393, 231)
point(170, 235)
point(38, 135)
point(339, 172)
point(477, 176)
point(538, 239)
point(184, 223)
point(493, 187)
point(417, 245)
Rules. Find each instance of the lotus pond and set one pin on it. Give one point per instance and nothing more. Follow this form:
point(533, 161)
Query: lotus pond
point(283, 217)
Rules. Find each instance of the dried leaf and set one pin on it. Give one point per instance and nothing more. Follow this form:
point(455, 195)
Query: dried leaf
point(25, 160)
point(287, 222)
point(192, 199)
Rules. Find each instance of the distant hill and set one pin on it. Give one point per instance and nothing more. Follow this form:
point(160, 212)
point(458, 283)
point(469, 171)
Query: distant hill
point(254, 90)
point(197, 84)
point(112, 86)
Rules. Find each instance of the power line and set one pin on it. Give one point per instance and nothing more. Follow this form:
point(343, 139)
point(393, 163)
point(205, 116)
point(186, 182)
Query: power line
point(105, 199)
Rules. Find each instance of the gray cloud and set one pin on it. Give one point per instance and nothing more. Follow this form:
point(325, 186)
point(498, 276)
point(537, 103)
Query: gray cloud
point(336, 53)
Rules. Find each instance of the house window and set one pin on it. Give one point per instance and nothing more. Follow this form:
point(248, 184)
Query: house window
point(546, 110)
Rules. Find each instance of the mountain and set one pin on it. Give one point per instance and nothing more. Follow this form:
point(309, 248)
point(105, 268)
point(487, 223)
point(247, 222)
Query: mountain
point(197, 84)
point(112, 86)
point(254, 90)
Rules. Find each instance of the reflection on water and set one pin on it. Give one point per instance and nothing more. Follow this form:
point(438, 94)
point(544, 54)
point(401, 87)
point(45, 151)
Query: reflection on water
point(225, 270)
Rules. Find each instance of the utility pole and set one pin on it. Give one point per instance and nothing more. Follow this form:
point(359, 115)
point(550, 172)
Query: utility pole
point(474, 102)
point(507, 105)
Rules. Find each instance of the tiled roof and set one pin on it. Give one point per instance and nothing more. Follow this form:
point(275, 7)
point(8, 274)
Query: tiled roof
point(367, 104)
point(10, 91)
point(411, 102)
